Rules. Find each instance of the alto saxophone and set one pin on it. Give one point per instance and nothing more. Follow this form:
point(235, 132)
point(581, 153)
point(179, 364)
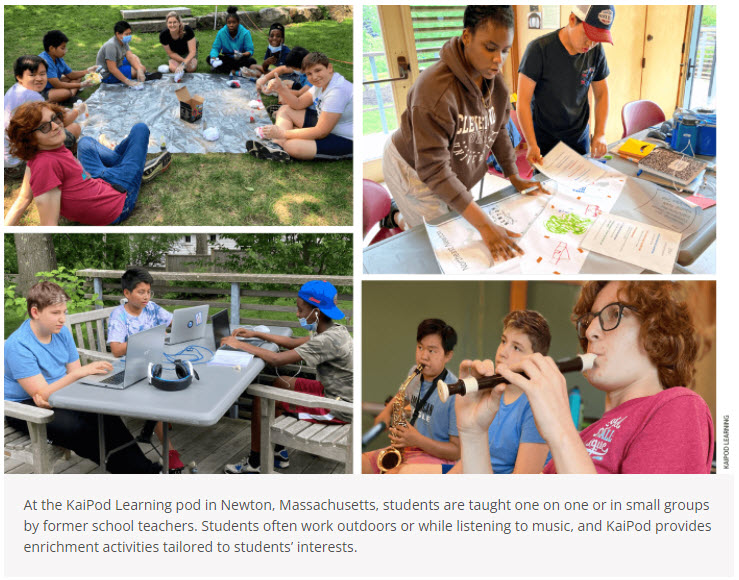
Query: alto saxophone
point(391, 457)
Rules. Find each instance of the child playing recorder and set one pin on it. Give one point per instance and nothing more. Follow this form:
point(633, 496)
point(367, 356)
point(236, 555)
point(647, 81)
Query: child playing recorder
point(515, 444)
point(137, 314)
point(329, 349)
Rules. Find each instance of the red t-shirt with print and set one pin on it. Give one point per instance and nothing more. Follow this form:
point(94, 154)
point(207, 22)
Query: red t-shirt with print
point(85, 199)
point(670, 432)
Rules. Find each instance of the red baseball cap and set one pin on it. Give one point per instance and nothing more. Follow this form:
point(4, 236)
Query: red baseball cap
point(597, 21)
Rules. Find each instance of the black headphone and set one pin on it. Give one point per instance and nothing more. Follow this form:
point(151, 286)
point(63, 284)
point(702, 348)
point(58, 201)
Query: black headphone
point(184, 372)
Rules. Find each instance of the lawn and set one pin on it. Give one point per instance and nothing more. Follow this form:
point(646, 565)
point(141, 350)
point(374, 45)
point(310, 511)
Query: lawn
point(212, 189)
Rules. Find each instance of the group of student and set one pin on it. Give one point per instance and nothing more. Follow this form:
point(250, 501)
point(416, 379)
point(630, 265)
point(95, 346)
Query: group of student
point(101, 185)
point(646, 348)
point(459, 108)
point(41, 358)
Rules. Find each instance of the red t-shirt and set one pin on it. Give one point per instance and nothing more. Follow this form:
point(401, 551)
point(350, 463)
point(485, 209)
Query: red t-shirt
point(670, 432)
point(92, 202)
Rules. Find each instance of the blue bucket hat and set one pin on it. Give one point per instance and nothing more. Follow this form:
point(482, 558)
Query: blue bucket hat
point(322, 295)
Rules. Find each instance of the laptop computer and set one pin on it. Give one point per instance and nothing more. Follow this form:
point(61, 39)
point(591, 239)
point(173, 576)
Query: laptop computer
point(188, 324)
point(143, 347)
point(222, 329)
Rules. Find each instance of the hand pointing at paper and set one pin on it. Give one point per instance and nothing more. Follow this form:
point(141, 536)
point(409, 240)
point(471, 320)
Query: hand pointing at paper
point(528, 187)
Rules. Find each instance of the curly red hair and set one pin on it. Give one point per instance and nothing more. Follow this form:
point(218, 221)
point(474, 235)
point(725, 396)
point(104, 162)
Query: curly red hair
point(667, 331)
point(22, 127)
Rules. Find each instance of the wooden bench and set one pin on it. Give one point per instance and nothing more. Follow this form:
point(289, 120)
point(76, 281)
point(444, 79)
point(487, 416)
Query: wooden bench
point(32, 449)
point(154, 19)
point(329, 441)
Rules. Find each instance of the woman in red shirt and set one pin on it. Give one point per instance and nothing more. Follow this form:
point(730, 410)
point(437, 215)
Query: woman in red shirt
point(99, 189)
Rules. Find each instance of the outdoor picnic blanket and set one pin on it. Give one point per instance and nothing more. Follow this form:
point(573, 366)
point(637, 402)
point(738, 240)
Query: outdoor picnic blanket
point(114, 109)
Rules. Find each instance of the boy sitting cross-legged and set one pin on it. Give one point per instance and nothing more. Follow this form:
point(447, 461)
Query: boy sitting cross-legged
point(301, 133)
point(63, 83)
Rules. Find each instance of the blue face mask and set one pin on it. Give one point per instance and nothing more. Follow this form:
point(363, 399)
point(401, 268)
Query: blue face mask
point(127, 39)
point(310, 326)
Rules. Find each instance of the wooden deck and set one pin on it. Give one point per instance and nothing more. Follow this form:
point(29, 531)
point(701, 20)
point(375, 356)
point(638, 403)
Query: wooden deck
point(210, 447)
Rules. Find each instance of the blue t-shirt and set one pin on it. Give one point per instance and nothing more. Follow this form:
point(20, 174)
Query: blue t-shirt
point(55, 69)
point(436, 419)
point(26, 356)
point(513, 424)
point(121, 324)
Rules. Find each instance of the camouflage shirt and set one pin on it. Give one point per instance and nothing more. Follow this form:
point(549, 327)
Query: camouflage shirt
point(332, 353)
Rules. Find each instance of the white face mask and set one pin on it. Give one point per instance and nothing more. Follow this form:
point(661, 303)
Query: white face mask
point(274, 49)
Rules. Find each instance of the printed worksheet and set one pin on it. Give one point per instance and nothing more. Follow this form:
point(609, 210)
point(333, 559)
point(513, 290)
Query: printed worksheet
point(566, 166)
point(634, 242)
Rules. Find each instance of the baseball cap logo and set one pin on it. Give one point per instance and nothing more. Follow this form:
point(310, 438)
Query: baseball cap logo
point(606, 17)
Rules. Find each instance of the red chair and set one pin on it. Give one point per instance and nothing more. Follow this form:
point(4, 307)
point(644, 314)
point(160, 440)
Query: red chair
point(375, 206)
point(639, 115)
point(524, 169)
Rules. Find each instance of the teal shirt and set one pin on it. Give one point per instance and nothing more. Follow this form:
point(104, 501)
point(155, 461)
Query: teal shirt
point(224, 44)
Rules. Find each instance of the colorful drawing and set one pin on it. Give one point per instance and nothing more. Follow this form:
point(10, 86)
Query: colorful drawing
point(593, 210)
point(560, 253)
point(568, 223)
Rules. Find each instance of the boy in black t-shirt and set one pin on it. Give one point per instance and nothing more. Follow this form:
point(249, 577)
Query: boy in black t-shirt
point(555, 74)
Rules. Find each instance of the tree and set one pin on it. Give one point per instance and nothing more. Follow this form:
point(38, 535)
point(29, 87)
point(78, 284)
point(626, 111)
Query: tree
point(35, 254)
point(314, 254)
point(201, 244)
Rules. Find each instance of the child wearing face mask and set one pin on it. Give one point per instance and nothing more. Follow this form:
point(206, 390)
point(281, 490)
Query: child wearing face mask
point(329, 348)
point(276, 52)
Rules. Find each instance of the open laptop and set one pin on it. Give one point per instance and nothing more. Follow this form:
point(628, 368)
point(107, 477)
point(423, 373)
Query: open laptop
point(188, 324)
point(143, 347)
point(222, 329)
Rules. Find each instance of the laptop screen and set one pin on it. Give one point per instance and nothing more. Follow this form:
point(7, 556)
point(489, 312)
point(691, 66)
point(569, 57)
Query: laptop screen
point(221, 327)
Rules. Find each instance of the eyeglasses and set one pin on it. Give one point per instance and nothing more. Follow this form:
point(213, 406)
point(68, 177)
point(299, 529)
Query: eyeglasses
point(46, 127)
point(609, 318)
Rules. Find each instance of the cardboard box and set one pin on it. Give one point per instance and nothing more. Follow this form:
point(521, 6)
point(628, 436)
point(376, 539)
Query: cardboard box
point(191, 107)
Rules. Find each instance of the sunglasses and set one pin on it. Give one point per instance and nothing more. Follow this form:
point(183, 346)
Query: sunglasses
point(46, 127)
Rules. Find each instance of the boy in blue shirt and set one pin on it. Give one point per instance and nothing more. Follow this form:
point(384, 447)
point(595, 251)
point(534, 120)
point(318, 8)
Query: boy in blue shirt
point(63, 83)
point(515, 443)
point(40, 359)
point(137, 314)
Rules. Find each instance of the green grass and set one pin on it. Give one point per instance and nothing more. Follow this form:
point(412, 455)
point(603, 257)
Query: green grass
point(212, 189)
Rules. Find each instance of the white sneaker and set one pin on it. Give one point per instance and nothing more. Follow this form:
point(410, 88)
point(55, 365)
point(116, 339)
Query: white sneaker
point(242, 467)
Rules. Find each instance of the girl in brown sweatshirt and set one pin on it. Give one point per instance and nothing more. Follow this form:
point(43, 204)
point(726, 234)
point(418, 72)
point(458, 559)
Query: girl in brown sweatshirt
point(457, 113)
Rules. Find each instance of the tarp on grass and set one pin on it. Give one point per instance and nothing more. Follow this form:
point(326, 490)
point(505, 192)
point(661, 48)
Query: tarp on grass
point(114, 109)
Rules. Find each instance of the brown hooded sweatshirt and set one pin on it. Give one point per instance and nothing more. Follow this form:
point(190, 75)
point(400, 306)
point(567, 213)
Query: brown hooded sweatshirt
point(447, 132)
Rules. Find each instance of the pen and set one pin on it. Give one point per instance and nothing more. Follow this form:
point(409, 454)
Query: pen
point(530, 189)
